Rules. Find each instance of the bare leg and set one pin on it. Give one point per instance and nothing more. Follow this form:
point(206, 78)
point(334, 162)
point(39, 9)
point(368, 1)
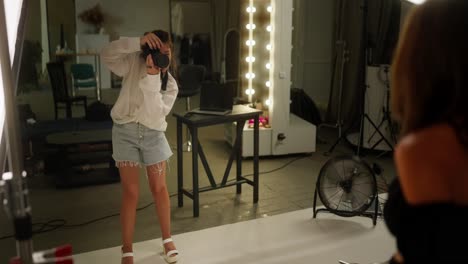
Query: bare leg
point(157, 183)
point(129, 180)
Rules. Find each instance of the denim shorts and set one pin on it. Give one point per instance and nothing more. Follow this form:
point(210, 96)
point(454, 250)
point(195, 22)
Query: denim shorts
point(139, 145)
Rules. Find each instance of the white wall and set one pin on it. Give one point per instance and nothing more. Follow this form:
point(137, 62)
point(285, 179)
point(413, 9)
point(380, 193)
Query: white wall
point(197, 17)
point(60, 12)
point(127, 18)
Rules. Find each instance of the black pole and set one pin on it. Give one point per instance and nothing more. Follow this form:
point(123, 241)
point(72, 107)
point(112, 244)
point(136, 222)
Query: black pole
point(364, 58)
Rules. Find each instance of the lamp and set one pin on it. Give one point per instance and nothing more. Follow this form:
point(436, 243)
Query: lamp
point(16, 199)
point(250, 59)
point(250, 43)
point(417, 2)
point(12, 16)
point(268, 65)
point(2, 105)
point(13, 189)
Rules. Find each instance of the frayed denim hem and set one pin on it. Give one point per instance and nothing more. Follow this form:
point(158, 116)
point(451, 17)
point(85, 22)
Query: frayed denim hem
point(127, 163)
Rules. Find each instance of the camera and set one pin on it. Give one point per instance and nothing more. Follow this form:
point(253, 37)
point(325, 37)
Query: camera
point(159, 59)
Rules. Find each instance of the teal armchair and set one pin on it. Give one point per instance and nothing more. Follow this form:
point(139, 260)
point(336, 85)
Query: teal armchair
point(83, 76)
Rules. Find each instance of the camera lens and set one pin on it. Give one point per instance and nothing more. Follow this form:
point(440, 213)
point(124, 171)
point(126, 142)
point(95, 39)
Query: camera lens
point(160, 60)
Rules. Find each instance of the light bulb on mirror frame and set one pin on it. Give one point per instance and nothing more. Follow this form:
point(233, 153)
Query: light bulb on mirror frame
point(250, 59)
point(251, 9)
point(250, 42)
point(250, 91)
point(250, 26)
point(417, 2)
point(250, 75)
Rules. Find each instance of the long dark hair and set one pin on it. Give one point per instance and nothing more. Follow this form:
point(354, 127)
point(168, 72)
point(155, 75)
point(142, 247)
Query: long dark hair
point(165, 37)
point(429, 75)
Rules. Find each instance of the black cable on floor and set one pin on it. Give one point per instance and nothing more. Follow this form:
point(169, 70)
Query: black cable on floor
point(48, 226)
point(277, 169)
point(55, 224)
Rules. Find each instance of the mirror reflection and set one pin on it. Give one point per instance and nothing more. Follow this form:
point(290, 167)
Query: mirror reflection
point(293, 64)
point(67, 90)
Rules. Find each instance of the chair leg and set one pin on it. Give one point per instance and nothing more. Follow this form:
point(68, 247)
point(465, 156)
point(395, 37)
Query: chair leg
point(73, 87)
point(69, 110)
point(85, 106)
point(56, 111)
point(187, 103)
point(187, 146)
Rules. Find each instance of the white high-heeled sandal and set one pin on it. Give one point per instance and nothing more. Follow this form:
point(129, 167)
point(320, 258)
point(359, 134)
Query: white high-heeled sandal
point(127, 255)
point(168, 255)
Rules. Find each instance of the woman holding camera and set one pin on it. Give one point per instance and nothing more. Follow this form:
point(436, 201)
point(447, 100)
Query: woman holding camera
point(138, 136)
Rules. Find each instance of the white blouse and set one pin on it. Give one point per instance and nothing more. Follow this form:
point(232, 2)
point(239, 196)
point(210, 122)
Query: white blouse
point(141, 98)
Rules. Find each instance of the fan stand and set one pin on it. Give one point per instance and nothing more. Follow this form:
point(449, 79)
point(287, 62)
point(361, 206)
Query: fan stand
point(348, 187)
point(372, 215)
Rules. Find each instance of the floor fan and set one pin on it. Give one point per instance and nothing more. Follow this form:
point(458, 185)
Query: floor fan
point(347, 187)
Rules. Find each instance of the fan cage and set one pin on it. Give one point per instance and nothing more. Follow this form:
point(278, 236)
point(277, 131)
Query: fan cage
point(353, 170)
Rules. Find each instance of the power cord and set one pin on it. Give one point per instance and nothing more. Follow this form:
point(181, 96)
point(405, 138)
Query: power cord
point(382, 184)
point(51, 225)
point(39, 228)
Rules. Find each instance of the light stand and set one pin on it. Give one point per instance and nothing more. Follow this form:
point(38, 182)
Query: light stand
point(386, 118)
point(364, 116)
point(15, 192)
point(339, 120)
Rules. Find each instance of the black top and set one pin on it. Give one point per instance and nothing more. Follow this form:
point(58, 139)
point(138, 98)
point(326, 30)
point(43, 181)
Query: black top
point(432, 233)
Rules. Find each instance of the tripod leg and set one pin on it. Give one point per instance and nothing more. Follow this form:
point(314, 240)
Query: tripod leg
point(376, 143)
point(392, 129)
point(315, 202)
point(375, 132)
point(333, 146)
point(380, 133)
point(337, 142)
point(374, 220)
